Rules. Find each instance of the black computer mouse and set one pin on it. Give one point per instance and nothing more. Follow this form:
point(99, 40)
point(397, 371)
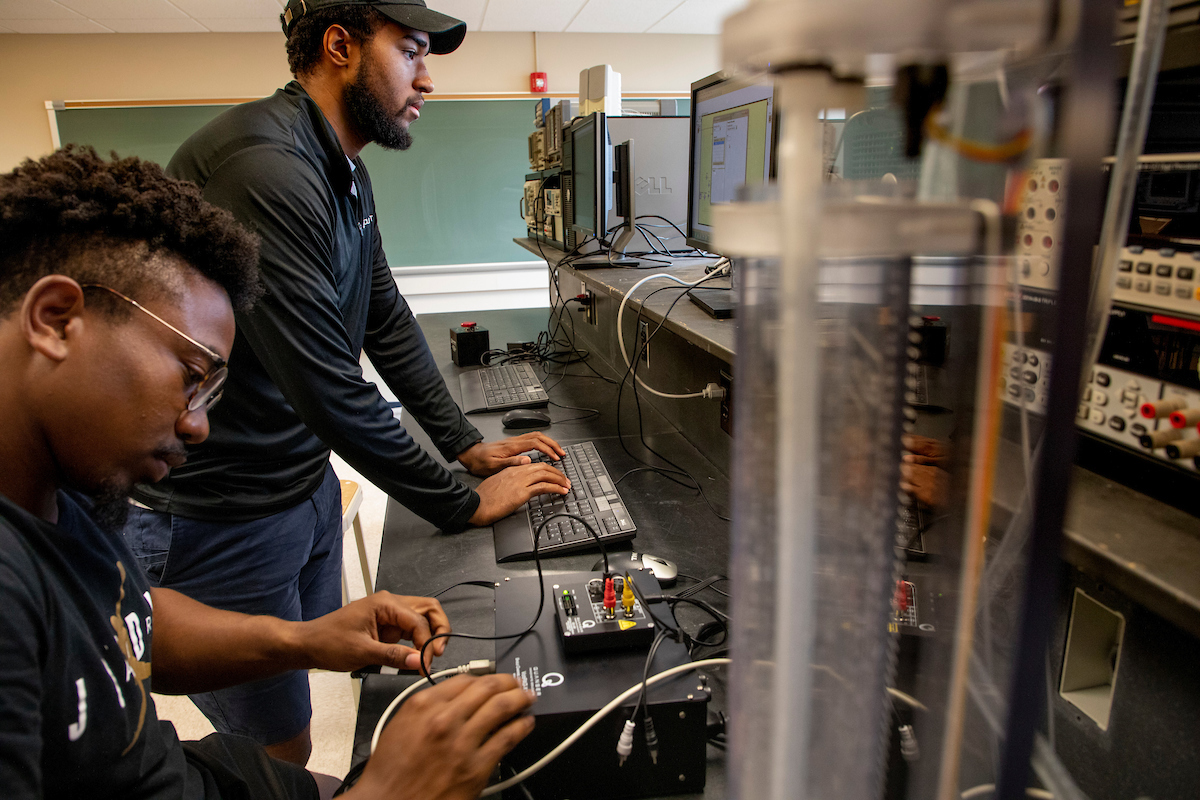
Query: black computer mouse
point(525, 418)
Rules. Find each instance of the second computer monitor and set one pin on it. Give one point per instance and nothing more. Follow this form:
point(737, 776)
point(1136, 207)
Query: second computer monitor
point(732, 130)
point(589, 138)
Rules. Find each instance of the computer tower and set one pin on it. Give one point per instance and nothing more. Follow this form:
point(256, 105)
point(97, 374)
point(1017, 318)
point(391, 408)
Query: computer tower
point(660, 173)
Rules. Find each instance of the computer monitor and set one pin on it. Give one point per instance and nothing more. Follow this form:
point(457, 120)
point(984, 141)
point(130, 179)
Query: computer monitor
point(732, 136)
point(625, 199)
point(589, 140)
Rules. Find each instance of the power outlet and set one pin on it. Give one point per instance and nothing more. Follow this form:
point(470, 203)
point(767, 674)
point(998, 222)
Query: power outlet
point(643, 342)
point(591, 307)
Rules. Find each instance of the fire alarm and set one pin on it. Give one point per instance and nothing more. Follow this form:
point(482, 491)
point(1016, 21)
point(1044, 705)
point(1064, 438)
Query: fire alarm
point(537, 82)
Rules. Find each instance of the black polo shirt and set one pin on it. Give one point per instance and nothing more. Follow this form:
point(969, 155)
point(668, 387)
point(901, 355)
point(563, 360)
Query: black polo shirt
point(295, 387)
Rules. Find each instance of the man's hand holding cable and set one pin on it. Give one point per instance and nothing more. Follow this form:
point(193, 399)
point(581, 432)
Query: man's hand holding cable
point(367, 632)
point(509, 489)
point(445, 741)
point(488, 458)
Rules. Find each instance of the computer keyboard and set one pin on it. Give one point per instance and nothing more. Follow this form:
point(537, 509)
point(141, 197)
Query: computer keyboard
point(501, 387)
point(592, 497)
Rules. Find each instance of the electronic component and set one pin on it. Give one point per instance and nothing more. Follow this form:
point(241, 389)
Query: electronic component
point(913, 608)
point(570, 688)
point(588, 619)
point(468, 343)
point(541, 109)
point(500, 388)
point(593, 497)
point(1166, 279)
point(1039, 224)
point(553, 201)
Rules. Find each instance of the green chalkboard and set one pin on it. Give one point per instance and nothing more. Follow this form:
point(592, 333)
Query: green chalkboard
point(452, 198)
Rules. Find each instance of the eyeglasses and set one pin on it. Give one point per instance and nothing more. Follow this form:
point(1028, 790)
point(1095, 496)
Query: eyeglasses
point(208, 388)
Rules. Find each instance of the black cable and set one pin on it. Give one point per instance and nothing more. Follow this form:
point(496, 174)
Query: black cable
point(634, 365)
point(537, 535)
point(702, 584)
point(592, 412)
point(484, 584)
point(641, 701)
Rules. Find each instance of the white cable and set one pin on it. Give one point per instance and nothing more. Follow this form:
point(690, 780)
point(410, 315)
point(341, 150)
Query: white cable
point(478, 667)
point(723, 264)
point(990, 788)
point(585, 727)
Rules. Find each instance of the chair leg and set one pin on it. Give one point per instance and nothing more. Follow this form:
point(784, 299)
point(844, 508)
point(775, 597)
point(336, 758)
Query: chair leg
point(362, 556)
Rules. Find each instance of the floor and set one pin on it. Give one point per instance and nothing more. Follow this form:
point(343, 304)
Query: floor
point(334, 712)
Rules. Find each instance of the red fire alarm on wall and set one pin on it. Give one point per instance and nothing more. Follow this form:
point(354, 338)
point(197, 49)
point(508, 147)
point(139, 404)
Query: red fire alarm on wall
point(537, 82)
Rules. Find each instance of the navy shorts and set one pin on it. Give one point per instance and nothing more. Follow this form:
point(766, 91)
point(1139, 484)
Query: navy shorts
point(287, 565)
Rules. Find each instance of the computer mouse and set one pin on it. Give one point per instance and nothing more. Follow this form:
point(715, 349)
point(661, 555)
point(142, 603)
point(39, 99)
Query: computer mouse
point(525, 418)
point(666, 572)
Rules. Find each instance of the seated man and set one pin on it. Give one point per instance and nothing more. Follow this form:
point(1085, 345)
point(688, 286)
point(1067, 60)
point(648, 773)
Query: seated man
point(117, 288)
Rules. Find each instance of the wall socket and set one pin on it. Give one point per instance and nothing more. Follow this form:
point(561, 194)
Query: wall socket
point(643, 342)
point(590, 309)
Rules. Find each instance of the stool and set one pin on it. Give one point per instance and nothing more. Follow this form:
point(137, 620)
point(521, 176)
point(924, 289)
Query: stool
point(352, 497)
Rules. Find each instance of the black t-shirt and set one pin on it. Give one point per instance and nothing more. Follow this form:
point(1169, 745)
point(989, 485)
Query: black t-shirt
point(295, 387)
point(76, 717)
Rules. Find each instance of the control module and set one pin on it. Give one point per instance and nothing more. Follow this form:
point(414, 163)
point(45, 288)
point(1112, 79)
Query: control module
point(572, 686)
point(603, 612)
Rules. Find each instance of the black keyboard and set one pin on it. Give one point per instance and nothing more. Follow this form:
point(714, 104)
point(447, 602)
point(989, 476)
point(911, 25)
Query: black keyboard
point(593, 497)
point(503, 387)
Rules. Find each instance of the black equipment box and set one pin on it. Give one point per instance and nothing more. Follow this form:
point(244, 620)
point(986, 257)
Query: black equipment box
point(571, 689)
point(468, 343)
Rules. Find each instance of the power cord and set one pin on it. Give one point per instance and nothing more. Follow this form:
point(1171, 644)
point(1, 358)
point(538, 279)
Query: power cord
point(720, 272)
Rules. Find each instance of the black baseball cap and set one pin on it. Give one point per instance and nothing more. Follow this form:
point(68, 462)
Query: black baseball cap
point(445, 32)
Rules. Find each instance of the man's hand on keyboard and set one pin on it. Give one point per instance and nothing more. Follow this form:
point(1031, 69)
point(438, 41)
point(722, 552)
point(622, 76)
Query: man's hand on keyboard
point(509, 489)
point(487, 458)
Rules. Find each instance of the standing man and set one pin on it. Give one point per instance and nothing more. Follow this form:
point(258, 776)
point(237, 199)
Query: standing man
point(252, 523)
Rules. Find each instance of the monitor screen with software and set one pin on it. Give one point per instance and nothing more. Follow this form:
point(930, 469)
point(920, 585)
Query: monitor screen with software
point(732, 130)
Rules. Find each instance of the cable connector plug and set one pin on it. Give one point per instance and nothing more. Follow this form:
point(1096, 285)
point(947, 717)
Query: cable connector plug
point(651, 736)
point(908, 744)
point(625, 743)
point(713, 391)
point(480, 666)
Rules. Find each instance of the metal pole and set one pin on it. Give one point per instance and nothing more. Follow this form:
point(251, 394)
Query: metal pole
point(1087, 112)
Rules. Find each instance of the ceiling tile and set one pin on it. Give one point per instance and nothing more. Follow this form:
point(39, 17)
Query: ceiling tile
point(182, 25)
point(469, 11)
point(242, 25)
point(56, 26)
point(34, 9)
point(124, 9)
point(530, 15)
point(229, 9)
point(621, 16)
point(698, 16)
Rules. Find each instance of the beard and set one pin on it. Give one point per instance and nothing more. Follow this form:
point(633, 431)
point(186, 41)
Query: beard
point(110, 507)
point(367, 113)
